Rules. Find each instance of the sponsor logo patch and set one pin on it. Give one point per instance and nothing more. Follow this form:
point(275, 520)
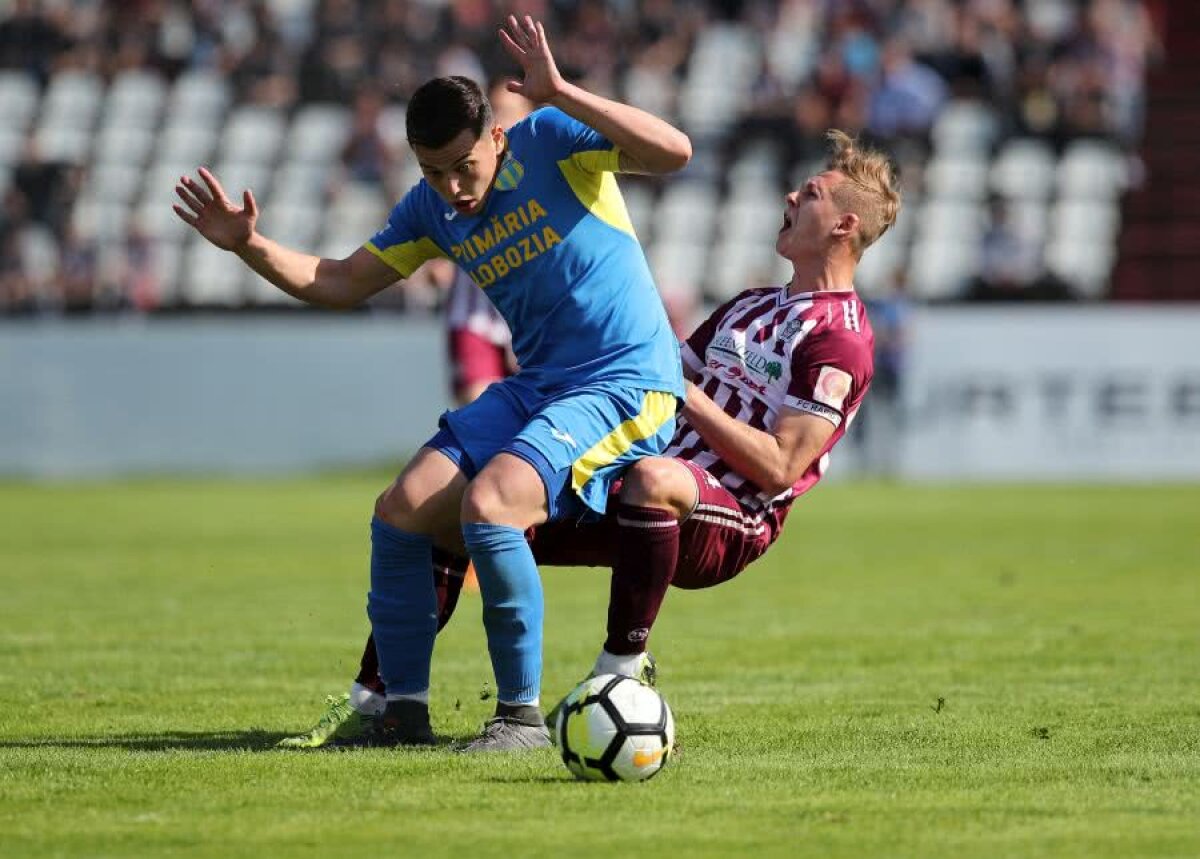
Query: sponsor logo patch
point(640, 634)
point(833, 386)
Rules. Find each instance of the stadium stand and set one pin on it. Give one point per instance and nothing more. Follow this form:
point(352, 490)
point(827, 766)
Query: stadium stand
point(1017, 126)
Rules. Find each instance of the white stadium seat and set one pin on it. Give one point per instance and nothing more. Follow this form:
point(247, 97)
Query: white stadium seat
point(708, 109)
point(211, 276)
point(650, 89)
point(253, 135)
point(114, 182)
point(359, 208)
point(939, 269)
point(159, 220)
point(947, 221)
point(318, 133)
point(135, 99)
point(100, 219)
point(1089, 221)
point(301, 182)
point(965, 127)
point(677, 264)
point(759, 163)
point(879, 265)
point(293, 225)
point(738, 264)
point(959, 177)
point(725, 54)
point(18, 100)
point(1024, 168)
point(168, 265)
point(198, 98)
point(12, 146)
point(1086, 266)
point(63, 143)
point(72, 100)
point(687, 211)
point(122, 144)
point(187, 143)
point(236, 176)
point(752, 218)
point(1091, 170)
point(639, 201)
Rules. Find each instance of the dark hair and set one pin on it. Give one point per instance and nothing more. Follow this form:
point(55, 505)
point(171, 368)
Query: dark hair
point(441, 108)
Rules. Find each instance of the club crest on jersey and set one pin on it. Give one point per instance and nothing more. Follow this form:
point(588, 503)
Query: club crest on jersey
point(796, 326)
point(510, 174)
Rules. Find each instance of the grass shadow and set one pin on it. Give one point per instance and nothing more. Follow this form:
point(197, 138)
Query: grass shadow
point(169, 741)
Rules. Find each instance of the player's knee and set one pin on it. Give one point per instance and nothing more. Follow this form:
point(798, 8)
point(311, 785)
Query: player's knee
point(505, 497)
point(658, 482)
point(398, 506)
point(483, 501)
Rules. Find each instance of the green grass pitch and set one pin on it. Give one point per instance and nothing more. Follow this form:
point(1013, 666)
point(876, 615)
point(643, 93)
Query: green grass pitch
point(912, 671)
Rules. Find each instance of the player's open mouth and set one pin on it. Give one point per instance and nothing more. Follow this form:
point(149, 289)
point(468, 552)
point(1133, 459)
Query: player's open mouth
point(787, 222)
point(464, 206)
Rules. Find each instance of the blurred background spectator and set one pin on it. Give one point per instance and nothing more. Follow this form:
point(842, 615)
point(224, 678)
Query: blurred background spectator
point(1017, 126)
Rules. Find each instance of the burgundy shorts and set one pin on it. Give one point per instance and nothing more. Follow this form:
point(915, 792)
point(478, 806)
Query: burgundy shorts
point(716, 542)
point(474, 360)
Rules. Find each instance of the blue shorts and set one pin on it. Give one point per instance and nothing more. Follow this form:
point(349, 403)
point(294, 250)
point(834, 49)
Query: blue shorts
point(579, 442)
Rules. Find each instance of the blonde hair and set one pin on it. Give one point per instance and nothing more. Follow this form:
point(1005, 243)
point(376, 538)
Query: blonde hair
point(871, 189)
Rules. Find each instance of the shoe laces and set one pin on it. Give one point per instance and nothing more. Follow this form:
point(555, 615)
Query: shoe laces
point(337, 710)
point(495, 726)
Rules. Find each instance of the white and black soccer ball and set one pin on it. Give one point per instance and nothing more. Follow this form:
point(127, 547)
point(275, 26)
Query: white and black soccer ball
point(616, 729)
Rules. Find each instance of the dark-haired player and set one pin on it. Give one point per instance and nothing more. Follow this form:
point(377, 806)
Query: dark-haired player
point(775, 376)
point(535, 217)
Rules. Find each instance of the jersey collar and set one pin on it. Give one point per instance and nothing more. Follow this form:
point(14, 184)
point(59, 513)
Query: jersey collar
point(784, 298)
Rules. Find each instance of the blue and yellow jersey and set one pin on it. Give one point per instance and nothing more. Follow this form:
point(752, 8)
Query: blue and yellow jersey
point(554, 250)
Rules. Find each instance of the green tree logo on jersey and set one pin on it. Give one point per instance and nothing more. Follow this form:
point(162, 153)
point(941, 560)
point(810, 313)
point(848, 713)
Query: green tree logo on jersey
point(774, 370)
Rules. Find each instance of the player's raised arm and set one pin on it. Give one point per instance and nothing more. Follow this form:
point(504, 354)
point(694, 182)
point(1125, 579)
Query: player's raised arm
point(773, 460)
point(316, 280)
point(647, 143)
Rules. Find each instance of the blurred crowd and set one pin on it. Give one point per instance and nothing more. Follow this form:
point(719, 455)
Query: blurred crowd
point(1057, 70)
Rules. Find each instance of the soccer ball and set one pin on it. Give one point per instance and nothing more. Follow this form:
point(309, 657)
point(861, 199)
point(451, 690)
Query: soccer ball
point(614, 728)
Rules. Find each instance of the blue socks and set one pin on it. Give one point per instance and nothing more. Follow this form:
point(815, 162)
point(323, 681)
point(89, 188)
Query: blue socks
point(402, 606)
point(512, 608)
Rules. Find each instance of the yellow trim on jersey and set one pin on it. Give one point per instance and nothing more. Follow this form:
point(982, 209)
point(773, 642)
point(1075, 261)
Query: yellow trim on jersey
point(407, 257)
point(598, 160)
point(657, 408)
point(590, 175)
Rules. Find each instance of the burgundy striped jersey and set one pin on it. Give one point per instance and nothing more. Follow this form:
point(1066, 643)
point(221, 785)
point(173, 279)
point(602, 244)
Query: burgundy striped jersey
point(467, 308)
point(765, 351)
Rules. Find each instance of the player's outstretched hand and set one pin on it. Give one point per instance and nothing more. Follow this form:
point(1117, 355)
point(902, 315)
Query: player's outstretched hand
point(526, 43)
point(211, 213)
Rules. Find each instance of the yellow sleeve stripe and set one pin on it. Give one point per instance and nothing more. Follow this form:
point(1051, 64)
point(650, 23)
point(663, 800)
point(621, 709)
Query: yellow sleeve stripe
point(407, 257)
point(598, 160)
point(657, 408)
point(597, 187)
